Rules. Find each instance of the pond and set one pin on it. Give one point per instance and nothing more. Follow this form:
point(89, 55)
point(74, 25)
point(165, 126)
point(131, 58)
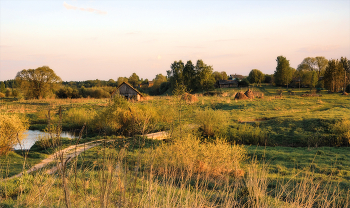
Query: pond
point(31, 136)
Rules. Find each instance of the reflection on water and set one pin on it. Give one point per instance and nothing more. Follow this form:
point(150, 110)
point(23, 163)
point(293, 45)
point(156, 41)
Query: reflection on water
point(33, 135)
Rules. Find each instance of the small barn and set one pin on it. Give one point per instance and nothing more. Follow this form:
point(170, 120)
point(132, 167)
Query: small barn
point(127, 91)
point(226, 83)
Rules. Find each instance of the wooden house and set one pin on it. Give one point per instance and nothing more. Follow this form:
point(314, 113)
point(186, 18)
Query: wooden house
point(226, 83)
point(236, 77)
point(127, 91)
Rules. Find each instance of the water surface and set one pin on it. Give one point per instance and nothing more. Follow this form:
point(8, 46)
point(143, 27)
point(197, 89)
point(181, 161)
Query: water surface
point(31, 136)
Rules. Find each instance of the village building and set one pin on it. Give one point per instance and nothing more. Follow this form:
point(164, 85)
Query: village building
point(146, 85)
point(127, 91)
point(237, 77)
point(226, 83)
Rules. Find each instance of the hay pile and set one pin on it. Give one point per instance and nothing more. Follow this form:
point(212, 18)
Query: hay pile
point(241, 96)
point(249, 94)
point(189, 98)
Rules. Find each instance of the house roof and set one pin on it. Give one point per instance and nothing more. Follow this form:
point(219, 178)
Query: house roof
point(227, 82)
point(237, 76)
point(129, 86)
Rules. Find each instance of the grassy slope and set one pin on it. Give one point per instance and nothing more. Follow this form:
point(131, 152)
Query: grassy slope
point(328, 163)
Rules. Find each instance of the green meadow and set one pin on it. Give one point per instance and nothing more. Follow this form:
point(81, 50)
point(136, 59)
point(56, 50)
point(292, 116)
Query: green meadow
point(274, 150)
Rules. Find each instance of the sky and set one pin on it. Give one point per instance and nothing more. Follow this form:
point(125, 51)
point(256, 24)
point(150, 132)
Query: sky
point(88, 40)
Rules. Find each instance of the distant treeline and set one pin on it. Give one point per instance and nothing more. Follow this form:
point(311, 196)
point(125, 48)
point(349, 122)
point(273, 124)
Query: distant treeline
point(312, 72)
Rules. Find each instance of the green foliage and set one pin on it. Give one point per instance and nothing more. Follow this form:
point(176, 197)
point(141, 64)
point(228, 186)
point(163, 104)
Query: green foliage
point(15, 93)
point(309, 78)
point(284, 73)
point(176, 73)
point(121, 80)
point(77, 117)
point(134, 80)
point(341, 130)
point(38, 83)
point(67, 92)
point(247, 134)
point(157, 82)
point(194, 78)
point(256, 76)
point(11, 131)
point(125, 118)
point(243, 83)
point(334, 76)
point(268, 78)
point(212, 122)
point(2, 87)
point(220, 75)
point(188, 155)
point(205, 76)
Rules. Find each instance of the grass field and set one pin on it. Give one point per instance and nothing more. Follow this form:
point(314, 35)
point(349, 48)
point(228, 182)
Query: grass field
point(295, 152)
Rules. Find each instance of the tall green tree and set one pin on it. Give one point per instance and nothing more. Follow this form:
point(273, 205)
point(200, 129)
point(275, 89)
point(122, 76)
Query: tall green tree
point(256, 76)
point(220, 75)
point(284, 73)
point(157, 82)
point(205, 78)
point(309, 64)
point(38, 83)
point(134, 79)
point(321, 63)
point(121, 80)
point(189, 76)
point(333, 76)
point(175, 74)
point(346, 67)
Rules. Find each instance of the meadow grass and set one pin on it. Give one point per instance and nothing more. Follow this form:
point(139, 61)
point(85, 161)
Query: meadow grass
point(295, 169)
point(132, 172)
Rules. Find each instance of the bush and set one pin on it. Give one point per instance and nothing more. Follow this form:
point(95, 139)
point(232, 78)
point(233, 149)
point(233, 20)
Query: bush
point(243, 83)
point(191, 156)
point(341, 130)
point(67, 92)
point(76, 117)
point(212, 122)
point(246, 134)
point(15, 93)
point(8, 93)
point(126, 118)
point(11, 131)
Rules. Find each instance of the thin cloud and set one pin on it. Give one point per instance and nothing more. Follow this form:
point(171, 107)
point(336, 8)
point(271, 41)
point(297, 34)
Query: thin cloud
point(68, 6)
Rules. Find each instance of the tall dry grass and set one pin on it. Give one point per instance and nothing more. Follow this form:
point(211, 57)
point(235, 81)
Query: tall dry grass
point(185, 173)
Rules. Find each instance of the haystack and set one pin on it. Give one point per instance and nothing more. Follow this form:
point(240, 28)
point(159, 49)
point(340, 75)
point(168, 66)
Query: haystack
point(241, 96)
point(249, 94)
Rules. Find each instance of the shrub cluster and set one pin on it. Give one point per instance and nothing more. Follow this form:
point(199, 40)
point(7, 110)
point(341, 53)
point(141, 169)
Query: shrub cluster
point(11, 131)
point(95, 92)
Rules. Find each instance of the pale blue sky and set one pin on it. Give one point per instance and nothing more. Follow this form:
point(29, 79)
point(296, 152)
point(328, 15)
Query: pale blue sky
point(83, 40)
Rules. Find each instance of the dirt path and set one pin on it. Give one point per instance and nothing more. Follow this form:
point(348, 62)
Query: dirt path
point(69, 152)
point(73, 151)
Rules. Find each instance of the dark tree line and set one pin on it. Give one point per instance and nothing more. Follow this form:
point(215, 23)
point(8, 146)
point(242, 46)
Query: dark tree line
point(314, 72)
point(197, 77)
